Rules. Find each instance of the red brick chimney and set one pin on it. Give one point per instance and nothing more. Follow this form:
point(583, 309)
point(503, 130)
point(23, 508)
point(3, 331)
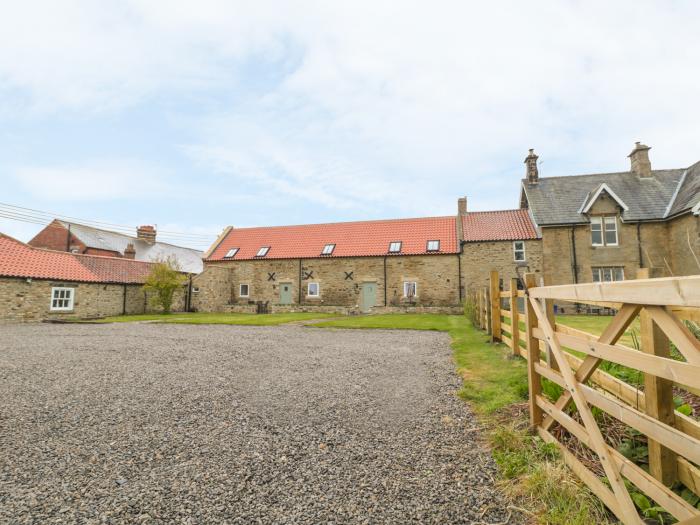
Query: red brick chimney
point(531, 171)
point(639, 160)
point(146, 233)
point(130, 251)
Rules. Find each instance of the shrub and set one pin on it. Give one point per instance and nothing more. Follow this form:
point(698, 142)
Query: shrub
point(164, 279)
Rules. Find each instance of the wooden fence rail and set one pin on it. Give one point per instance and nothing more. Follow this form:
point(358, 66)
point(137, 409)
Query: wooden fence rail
point(673, 438)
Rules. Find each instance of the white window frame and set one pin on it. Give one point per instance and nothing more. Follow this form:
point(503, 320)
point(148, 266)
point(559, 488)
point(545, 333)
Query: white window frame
point(262, 252)
point(328, 249)
point(231, 253)
point(517, 250)
point(240, 290)
point(395, 243)
point(600, 272)
point(405, 288)
point(602, 222)
point(68, 298)
point(436, 242)
point(610, 220)
point(318, 289)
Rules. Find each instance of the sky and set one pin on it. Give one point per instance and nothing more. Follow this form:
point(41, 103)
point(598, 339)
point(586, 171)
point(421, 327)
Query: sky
point(198, 115)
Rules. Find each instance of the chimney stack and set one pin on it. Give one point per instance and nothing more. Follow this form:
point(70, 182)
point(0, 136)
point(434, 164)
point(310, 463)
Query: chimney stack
point(146, 233)
point(130, 251)
point(462, 206)
point(531, 167)
point(639, 160)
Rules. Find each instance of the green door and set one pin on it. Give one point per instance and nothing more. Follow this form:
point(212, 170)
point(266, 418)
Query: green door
point(286, 293)
point(368, 297)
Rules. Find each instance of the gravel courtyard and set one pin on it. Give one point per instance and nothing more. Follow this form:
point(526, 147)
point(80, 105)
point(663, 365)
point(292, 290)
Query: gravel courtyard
point(146, 423)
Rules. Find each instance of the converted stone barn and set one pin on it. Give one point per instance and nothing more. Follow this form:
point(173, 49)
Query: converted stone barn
point(424, 264)
point(38, 284)
point(606, 226)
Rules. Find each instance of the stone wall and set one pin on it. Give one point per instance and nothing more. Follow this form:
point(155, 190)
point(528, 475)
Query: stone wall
point(340, 281)
point(684, 239)
point(479, 258)
point(30, 301)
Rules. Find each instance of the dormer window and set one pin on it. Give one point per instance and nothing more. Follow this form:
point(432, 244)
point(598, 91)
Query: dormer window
point(395, 247)
point(433, 246)
point(328, 249)
point(262, 252)
point(604, 231)
point(231, 253)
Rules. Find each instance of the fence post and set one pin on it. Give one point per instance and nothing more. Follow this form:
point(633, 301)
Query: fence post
point(514, 319)
point(658, 394)
point(495, 289)
point(487, 311)
point(534, 381)
point(548, 307)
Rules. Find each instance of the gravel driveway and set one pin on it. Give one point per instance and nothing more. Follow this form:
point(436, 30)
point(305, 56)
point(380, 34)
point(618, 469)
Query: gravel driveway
point(147, 423)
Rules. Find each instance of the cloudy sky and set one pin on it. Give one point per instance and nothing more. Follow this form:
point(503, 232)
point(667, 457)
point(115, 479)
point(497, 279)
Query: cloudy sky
point(196, 115)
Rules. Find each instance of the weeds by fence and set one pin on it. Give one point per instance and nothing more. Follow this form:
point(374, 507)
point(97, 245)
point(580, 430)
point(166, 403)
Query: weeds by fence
point(524, 320)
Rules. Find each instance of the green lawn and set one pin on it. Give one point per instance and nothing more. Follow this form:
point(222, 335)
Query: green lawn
point(218, 318)
point(595, 324)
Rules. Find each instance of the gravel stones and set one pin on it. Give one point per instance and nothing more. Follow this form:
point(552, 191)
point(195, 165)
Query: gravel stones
point(148, 423)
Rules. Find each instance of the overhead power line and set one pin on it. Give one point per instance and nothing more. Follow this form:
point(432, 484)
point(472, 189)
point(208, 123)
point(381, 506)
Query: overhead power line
point(34, 216)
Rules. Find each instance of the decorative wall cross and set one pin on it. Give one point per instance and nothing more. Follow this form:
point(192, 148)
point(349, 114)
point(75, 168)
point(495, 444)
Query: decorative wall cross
point(348, 276)
point(271, 276)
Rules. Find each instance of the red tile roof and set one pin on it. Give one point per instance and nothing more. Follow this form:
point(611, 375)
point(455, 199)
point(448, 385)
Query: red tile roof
point(504, 225)
point(20, 260)
point(351, 239)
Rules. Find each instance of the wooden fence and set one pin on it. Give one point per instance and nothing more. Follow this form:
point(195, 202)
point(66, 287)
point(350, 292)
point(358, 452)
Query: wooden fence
point(673, 438)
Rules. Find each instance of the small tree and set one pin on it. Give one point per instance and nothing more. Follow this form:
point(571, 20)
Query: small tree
point(164, 279)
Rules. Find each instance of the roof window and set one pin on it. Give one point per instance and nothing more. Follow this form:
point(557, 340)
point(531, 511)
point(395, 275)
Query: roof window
point(231, 253)
point(328, 249)
point(395, 247)
point(262, 252)
point(433, 246)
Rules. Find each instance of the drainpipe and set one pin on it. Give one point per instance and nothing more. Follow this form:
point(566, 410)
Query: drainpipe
point(385, 305)
point(188, 305)
point(459, 272)
point(299, 281)
point(639, 244)
point(574, 262)
point(68, 239)
point(124, 302)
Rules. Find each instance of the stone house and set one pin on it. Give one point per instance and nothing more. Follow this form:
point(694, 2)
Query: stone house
point(605, 226)
point(72, 237)
point(38, 284)
point(419, 265)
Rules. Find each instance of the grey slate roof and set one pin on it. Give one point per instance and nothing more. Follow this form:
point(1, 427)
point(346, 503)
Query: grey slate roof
point(190, 260)
point(558, 200)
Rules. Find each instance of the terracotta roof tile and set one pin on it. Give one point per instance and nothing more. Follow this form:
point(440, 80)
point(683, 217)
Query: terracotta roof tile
point(20, 260)
point(351, 239)
point(503, 225)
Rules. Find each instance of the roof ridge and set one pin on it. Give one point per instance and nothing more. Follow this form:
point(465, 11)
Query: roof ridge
point(496, 211)
point(605, 173)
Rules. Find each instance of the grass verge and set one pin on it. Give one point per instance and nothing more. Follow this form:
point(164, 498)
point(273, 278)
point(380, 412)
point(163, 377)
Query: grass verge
point(495, 384)
point(217, 318)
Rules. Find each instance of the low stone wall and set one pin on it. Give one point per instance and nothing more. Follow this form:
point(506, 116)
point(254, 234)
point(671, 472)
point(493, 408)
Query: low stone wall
point(344, 310)
point(30, 300)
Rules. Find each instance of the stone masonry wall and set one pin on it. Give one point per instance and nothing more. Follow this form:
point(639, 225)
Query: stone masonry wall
point(479, 258)
point(30, 301)
point(684, 239)
point(339, 281)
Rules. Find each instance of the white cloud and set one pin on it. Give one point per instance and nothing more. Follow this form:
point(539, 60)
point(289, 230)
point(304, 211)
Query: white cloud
point(407, 105)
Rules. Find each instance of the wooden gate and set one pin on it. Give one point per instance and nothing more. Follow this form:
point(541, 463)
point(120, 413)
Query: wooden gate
point(674, 439)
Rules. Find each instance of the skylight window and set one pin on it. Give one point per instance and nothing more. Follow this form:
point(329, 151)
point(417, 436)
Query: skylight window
point(231, 253)
point(262, 252)
point(328, 249)
point(395, 247)
point(433, 246)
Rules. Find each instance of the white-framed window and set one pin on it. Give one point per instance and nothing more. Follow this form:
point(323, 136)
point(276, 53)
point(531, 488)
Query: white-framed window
point(395, 247)
point(313, 290)
point(62, 298)
point(433, 246)
point(608, 274)
point(244, 290)
point(604, 231)
point(231, 253)
point(262, 252)
point(410, 289)
point(328, 249)
point(519, 251)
